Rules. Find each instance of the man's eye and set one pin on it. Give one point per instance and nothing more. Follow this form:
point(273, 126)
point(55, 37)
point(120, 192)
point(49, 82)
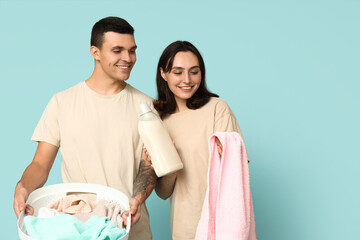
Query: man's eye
point(132, 51)
point(116, 51)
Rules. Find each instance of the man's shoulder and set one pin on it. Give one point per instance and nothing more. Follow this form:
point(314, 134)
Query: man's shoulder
point(138, 94)
point(70, 91)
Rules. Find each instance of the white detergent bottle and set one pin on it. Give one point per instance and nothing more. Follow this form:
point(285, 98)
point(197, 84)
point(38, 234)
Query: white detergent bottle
point(157, 141)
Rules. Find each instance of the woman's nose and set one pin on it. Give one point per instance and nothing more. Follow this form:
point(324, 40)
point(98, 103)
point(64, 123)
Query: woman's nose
point(187, 78)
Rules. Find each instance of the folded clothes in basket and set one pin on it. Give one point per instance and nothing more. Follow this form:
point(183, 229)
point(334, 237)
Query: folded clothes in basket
point(103, 208)
point(84, 206)
point(75, 203)
point(45, 212)
point(68, 227)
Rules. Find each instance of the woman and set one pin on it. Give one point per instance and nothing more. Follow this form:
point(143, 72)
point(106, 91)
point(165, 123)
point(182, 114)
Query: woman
point(191, 114)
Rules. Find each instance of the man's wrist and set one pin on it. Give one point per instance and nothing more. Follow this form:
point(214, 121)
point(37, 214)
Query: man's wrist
point(139, 199)
point(19, 186)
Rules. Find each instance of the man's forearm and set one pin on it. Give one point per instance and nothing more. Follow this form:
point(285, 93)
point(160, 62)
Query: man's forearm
point(145, 180)
point(34, 176)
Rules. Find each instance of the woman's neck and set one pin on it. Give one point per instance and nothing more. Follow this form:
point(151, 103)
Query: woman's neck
point(181, 105)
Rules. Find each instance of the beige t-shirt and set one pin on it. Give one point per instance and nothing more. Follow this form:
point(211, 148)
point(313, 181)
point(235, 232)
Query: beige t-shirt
point(191, 130)
point(98, 139)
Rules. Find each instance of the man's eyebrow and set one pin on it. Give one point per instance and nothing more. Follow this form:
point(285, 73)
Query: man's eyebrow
point(121, 47)
point(117, 47)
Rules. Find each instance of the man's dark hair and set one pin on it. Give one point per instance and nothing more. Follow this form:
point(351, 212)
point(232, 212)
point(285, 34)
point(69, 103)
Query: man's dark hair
point(109, 24)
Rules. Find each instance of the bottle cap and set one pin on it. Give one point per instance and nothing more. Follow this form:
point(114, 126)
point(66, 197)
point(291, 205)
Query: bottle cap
point(144, 108)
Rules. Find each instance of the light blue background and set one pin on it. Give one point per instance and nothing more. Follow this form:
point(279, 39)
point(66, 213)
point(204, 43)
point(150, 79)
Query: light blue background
point(290, 71)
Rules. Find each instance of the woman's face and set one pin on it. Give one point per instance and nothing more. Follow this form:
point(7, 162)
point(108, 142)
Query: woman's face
point(184, 77)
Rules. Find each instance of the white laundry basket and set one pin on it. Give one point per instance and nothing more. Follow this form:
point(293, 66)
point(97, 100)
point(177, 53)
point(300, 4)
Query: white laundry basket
point(44, 196)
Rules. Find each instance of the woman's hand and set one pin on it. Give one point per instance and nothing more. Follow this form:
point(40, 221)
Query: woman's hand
point(219, 146)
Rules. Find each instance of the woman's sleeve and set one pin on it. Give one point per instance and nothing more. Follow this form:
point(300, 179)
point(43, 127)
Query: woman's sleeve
point(225, 120)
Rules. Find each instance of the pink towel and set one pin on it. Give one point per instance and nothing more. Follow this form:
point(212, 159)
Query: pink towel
point(227, 213)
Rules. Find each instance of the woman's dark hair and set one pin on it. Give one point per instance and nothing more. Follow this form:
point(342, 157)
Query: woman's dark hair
point(109, 24)
point(165, 103)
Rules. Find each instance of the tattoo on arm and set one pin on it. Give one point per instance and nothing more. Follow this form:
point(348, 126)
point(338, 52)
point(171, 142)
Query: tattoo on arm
point(145, 180)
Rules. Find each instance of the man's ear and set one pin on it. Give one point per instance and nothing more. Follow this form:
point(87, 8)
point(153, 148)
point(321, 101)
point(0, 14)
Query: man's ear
point(95, 52)
point(163, 74)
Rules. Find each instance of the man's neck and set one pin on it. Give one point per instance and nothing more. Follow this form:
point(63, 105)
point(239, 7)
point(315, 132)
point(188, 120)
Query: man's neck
point(104, 85)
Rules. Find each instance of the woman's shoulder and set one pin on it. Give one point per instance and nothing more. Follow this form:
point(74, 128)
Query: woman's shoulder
point(219, 107)
point(218, 103)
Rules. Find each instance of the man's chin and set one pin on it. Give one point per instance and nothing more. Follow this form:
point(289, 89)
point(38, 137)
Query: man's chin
point(122, 78)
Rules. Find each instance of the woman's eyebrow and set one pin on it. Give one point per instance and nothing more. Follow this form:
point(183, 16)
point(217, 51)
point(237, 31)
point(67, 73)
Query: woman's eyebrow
point(181, 68)
point(177, 68)
point(194, 67)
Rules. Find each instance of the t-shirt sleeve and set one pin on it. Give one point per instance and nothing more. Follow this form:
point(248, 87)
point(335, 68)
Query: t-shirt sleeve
point(151, 104)
point(225, 120)
point(47, 129)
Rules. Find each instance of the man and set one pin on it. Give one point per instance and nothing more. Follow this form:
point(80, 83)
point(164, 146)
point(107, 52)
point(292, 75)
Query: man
point(94, 124)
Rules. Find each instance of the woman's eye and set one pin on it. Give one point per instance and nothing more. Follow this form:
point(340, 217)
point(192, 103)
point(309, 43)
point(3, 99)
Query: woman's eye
point(177, 73)
point(194, 73)
point(117, 51)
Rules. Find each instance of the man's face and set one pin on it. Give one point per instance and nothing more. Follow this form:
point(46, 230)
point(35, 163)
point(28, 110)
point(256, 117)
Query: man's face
point(117, 55)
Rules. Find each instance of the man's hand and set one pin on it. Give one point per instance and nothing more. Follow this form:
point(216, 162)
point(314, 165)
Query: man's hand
point(135, 211)
point(34, 176)
point(20, 197)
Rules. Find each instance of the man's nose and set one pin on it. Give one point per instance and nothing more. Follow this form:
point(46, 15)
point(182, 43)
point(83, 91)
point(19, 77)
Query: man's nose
point(126, 56)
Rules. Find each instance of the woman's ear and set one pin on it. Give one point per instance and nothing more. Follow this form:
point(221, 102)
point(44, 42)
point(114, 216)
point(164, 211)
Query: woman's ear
point(95, 52)
point(163, 75)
